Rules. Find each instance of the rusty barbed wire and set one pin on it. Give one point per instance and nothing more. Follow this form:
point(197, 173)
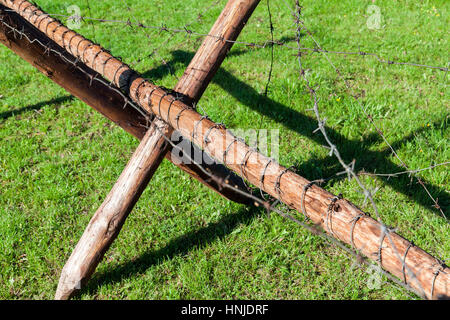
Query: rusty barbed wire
point(333, 150)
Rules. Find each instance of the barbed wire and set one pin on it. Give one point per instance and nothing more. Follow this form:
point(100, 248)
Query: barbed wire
point(315, 229)
point(268, 43)
point(369, 117)
point(76, 63)
point(408, 172)
point(348, 168)
point(301, 51)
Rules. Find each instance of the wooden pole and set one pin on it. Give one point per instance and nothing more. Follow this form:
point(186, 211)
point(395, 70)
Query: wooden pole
point(107, 222)
point(338, 217)
point(87, 85)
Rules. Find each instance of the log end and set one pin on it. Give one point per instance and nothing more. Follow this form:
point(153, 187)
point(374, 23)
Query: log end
point(68, 286)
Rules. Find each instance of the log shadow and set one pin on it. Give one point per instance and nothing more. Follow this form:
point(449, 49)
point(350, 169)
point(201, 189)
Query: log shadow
point(316, 168)
point(37, 106)
point(179, 246)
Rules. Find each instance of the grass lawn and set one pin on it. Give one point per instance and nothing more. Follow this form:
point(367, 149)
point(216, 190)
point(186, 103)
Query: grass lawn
point(59, 158)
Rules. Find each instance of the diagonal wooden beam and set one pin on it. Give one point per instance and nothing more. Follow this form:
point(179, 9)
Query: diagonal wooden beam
point(108, 220)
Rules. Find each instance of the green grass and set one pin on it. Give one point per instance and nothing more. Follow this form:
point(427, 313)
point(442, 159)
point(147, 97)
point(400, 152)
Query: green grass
point(59, 158)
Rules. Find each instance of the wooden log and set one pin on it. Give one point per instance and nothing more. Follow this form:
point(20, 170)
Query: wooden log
point(107, 222)
point(98, 93)
point(211, 53)
point(109, 218)
point(338, 217)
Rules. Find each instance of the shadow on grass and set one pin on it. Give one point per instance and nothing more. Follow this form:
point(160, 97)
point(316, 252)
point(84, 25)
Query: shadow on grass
point(37, 106)
point(176, 247)
point(316, 168)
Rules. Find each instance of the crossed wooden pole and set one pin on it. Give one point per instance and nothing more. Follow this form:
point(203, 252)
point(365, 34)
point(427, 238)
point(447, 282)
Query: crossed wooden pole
point(338, 217)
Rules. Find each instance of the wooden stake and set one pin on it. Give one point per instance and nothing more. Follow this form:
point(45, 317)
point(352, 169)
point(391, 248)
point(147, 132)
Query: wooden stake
point(106, 223)
point(109, 218)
